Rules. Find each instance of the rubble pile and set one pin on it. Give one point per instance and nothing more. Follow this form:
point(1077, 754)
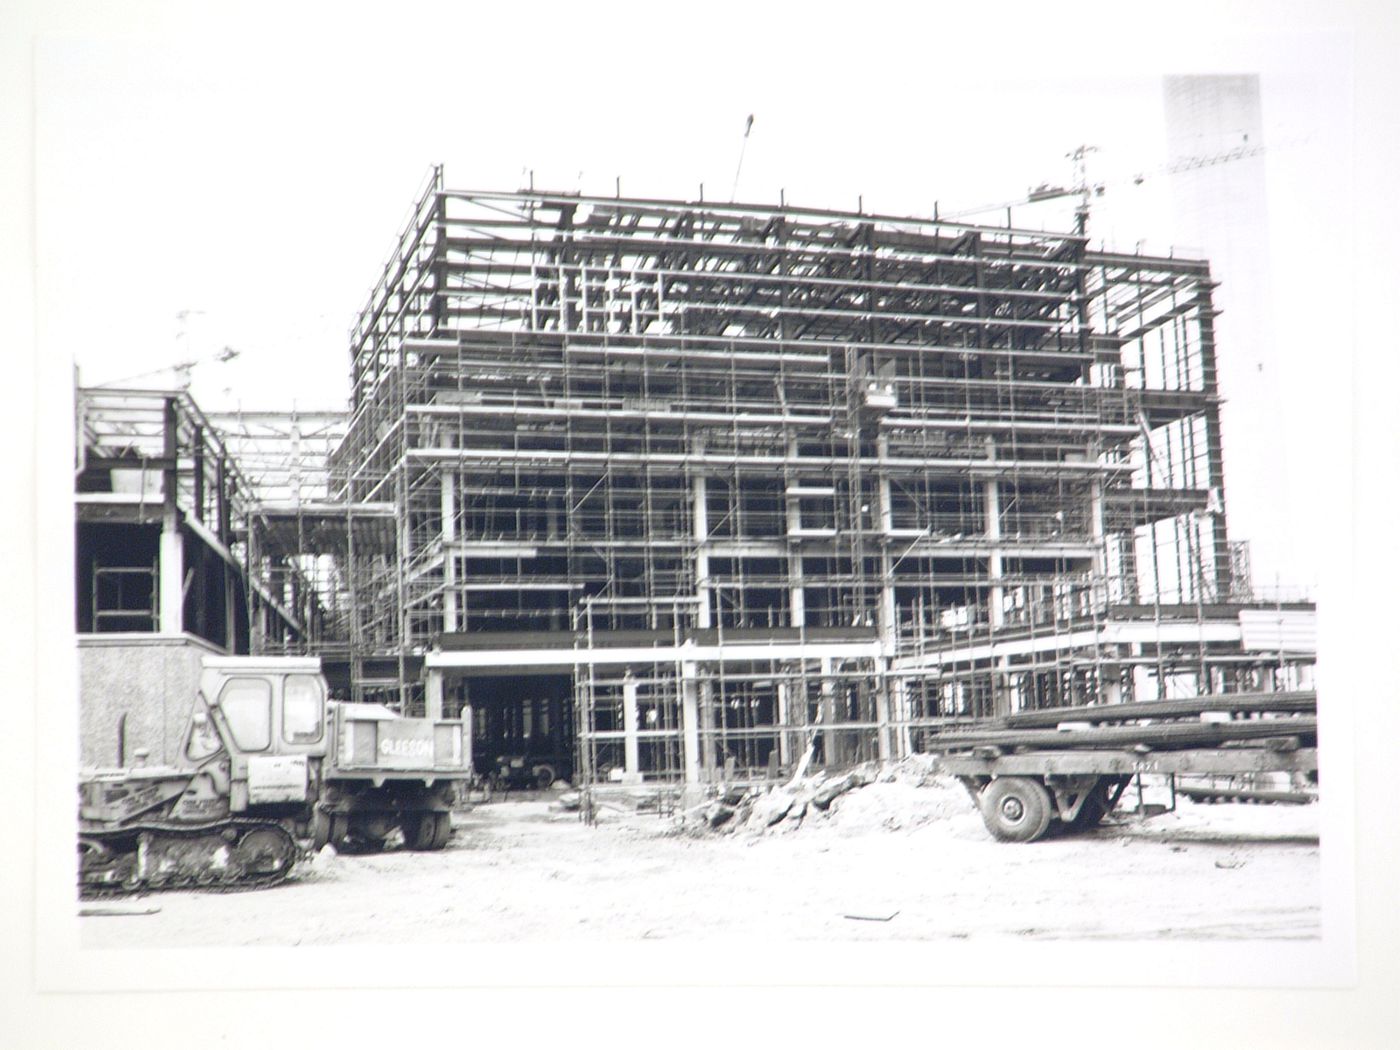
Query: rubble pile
point(905, 794)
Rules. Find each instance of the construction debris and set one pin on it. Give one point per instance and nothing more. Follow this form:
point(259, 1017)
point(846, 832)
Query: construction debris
point(900, 795)
point(773, 806)
point(717, 813)
point(827, 792)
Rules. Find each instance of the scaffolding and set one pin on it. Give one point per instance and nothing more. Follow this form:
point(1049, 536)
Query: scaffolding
point(726, 473)
point(286, 454)
point(171, 536)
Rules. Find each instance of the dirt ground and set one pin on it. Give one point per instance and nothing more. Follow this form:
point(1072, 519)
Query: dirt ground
point(886, 862)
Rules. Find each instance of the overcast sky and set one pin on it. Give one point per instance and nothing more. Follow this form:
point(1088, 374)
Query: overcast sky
point(255, 182)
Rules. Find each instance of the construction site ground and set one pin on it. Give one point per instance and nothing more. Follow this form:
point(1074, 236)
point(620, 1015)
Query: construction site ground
point(891, 861)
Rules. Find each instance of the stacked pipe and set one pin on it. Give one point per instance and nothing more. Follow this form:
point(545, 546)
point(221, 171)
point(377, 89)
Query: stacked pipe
point(1284, 720)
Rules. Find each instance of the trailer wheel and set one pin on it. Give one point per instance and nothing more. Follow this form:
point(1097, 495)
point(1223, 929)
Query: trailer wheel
point(1016, 809)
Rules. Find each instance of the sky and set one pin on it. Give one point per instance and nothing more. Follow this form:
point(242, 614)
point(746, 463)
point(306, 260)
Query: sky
point(203, 190)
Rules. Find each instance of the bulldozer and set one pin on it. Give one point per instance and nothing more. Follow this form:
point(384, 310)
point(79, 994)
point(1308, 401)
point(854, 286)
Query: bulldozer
point(268, 768)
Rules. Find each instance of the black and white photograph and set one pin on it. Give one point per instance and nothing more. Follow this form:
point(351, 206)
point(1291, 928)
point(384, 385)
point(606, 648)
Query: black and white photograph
point(726, 502)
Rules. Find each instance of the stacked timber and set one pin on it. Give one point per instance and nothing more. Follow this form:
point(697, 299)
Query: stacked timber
point(1283, 721)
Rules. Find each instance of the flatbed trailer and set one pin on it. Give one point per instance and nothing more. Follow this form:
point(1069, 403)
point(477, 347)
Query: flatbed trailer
point(1021, 795)
point(1026, 777)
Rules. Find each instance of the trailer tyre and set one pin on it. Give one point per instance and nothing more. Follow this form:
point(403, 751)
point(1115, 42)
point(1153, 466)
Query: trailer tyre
point(1016, 809)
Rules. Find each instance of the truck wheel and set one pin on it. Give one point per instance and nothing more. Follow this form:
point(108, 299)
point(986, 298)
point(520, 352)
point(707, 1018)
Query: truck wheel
point(442, 830)
point(360, 833)
point(337, 830)
point(320, 828)
point(1016, 809)
point(426, 830)
point(544, 777)
point(418, 829)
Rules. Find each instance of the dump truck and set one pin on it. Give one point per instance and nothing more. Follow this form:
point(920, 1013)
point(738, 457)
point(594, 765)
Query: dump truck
point(268, 768)
point(1066, 768)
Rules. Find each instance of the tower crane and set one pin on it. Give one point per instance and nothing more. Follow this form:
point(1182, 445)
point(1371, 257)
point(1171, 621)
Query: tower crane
point(743, 146)
point(1086, 189)
point(181, 369)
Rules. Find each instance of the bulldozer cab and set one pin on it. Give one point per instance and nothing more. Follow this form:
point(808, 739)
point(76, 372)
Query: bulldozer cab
point(269, 716)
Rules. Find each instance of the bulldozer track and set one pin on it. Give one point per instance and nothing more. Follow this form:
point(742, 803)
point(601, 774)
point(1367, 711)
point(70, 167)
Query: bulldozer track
point(221, 883)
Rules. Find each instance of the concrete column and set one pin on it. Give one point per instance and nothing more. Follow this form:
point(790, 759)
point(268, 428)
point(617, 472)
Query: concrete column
point(690, 723)
point(784, 718)
point(630, 748)
point(432, 694)
point(701, 518)
point(172, 577)
point(468, 719)
point(797, 596)
point(223, 528)
point(172, 544)
point(884, 737)
point(834, 744)
point(899, 705)
point(1111, 686)
point(1096, 511)
point(991, 492)
point(709, 749)
point(449, 559)
point(882, 447)
point(1001, 688)
point(889, 612)
point(230, 579)
point(1098, 532)
point(1142, 676)
point(257, 631)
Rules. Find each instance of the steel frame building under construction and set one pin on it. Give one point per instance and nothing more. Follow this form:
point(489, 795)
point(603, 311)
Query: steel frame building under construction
point(680, 487)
